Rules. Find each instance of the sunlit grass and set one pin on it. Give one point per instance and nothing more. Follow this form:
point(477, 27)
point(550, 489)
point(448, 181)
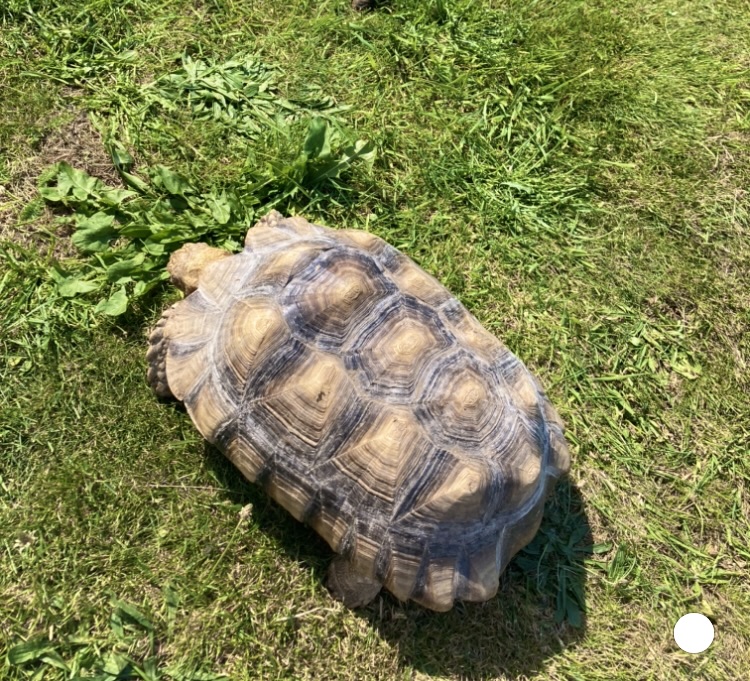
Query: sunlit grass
point(576, 173)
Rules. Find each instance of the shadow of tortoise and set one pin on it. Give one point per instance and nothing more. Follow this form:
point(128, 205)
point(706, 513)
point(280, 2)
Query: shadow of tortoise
point(538, 612)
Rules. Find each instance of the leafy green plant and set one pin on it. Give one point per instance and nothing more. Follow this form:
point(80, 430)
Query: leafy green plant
point(128, 234)
point(241, 92)
point(555, 561)
point(131, 631)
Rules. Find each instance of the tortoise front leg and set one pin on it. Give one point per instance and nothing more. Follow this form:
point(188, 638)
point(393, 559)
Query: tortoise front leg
point(351, 588)
point(157, 358)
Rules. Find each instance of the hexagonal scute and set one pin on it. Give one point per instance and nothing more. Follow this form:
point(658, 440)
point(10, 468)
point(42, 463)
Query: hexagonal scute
point(301, 227)
point(451, 488)
point(334, 295)
point(210, 406)
point(414, 281)
point(274, 229)
point(463, 404)
point(308, 410)
point(313, 397)
point(385, 456)
point(270, 376)
point(394, 353)
point(278, 266)
point(518, 448)
point(188, 327)
point(470, 332)
point(523, 388)
point(365, 241)
point(253, 329)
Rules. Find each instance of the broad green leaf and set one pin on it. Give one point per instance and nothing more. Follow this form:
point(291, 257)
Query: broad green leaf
point(121, 159)
point(114, 197)
point(139, 230)
point(364, 151)
point(191, 67)
point(125, 268)
point(179, 204)
point(54, 659)
point(220, 208)
point(64, 177)
point(96, 221)
point(116, 623)
point(149, 670)
point(135, 182)
point(603, 547)
point(57, 273)
point(143, 287)
point(318, 142)
point(115, 305)
point(573, 613)
point(93, 234)
point(173, 234)
point(130, 611)
point(197, 222)
point(29, 651)
point(577, 535)
point(81, 182)
point(153, 248)
point(230, 245)
point(117, 666)
point(53, 194)
point(173, 182)
point(72, 286)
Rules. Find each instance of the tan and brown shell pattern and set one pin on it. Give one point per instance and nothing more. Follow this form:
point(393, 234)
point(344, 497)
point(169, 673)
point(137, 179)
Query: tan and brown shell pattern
point(369, 403)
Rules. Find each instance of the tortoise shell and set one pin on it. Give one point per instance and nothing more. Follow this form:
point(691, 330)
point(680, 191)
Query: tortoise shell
point(368, 402)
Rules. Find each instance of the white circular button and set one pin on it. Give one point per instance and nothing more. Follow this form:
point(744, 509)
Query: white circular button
point(693, 632)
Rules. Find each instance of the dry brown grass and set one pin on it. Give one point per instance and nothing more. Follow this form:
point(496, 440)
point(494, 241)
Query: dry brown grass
point(77, 142)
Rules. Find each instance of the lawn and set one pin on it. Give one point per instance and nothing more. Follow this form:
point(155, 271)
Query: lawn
point(575, 172)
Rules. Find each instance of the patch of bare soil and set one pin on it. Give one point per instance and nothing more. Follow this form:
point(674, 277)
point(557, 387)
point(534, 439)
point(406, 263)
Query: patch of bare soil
point(77, 143)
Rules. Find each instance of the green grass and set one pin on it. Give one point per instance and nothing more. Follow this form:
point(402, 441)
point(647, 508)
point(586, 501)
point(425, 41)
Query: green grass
point(575, 172)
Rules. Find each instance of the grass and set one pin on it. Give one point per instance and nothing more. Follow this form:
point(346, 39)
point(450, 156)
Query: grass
point(576, 173)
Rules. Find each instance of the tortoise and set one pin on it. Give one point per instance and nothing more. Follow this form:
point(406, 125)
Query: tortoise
point(367, 401)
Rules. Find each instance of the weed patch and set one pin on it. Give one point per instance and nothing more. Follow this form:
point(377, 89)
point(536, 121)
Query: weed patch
point(131, 232)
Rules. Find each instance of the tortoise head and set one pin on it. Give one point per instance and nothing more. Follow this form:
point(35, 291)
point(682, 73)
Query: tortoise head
point(186, 264)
